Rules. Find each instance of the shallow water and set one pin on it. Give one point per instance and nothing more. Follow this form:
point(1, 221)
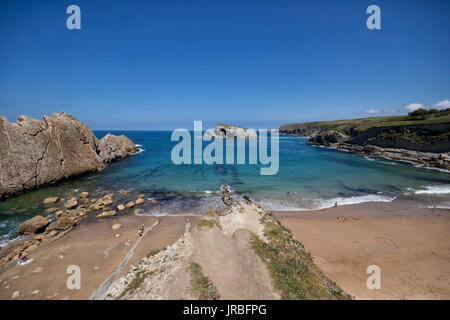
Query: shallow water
point(319, 177)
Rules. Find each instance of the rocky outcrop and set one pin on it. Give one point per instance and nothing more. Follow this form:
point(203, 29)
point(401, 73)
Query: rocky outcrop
point(34, 153)
point(406, 139)
point(230, 131)
point(114, 148)
point(424, 159)
point(327, 138)
point(226, 195)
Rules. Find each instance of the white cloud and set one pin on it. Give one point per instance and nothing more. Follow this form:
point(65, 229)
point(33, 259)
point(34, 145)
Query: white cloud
point(372, 111)
point(444, 104)
point(414, 106)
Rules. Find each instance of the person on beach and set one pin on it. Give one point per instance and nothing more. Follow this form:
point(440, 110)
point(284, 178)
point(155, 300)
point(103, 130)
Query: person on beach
point(22, 258)
point(335, 204)
point(141, 230)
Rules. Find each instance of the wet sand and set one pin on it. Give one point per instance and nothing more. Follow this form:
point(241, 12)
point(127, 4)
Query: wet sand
point(95, 249)
point(410, 244)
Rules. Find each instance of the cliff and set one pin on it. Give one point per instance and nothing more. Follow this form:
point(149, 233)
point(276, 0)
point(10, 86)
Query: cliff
point(422, 136)
point(34, 153)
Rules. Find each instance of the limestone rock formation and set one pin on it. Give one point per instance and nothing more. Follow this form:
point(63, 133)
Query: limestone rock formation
point(116, 147)
point(230, 131)
point(34, 153)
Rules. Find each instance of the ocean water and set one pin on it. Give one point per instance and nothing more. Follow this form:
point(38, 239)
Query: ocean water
point(318, 176)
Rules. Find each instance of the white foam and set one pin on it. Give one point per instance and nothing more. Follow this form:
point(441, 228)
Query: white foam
point(434, 190)
point(140, 151)
point(445, 205)
point(317, 204)
point(354, 200)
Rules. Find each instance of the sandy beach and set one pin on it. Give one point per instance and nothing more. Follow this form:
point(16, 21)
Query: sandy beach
point(410, 244)
point(93, 247)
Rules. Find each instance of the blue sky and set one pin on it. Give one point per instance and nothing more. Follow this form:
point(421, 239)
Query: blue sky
point(161, 64)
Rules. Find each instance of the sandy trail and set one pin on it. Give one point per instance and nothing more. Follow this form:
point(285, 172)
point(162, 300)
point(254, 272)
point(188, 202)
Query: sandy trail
point(232, 265)
point(413, 253)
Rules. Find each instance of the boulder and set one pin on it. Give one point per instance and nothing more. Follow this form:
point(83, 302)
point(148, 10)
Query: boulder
point(72, 203)
point(129, 205)
point(84, 195)
point(51, 200)
point(59, 213)
point(107, 213)
point(50, 210)
point(63, 223)
point(116, 226)
point(121, 207)
point(36, 224)
point(140, 201)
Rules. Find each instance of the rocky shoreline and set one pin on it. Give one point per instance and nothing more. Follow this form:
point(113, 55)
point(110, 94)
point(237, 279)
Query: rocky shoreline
point(337, 140)
point(35, 153)
point(60, 219)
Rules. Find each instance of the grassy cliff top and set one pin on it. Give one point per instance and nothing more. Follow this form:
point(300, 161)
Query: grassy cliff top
point(420, 116)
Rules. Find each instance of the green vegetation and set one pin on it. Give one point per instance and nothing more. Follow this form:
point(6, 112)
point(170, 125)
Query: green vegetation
point(420, 116)
point(412, 136)
point(201, 286)
point(154, 251)
point(210, 213)
point(292, 269)
point(136, 282)
point(208, 223)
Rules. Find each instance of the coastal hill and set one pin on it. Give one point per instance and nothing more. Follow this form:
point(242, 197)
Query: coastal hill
point(35, 153)
point(415, 137)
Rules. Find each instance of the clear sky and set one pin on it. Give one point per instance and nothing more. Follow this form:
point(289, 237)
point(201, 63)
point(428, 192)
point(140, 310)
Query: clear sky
point(161, 64)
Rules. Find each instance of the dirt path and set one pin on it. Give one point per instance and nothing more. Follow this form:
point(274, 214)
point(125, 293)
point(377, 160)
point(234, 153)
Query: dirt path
point(232, 265)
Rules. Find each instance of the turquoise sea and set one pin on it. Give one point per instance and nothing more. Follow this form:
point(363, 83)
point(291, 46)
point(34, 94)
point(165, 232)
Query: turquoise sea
point(318, 176)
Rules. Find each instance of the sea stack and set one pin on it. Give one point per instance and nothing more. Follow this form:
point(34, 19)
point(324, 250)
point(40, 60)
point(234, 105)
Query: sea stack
point(231, 131)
